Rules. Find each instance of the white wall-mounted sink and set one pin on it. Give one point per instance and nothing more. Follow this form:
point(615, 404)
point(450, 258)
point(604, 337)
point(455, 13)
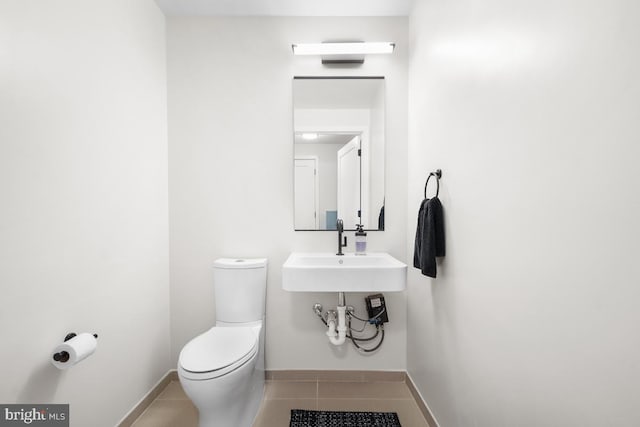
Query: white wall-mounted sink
point(327, 272)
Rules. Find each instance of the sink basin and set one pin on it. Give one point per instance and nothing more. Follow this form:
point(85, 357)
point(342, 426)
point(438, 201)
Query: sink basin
point(327, 272)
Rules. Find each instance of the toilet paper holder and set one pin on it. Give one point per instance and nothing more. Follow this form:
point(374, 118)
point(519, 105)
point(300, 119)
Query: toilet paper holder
point(63, 356)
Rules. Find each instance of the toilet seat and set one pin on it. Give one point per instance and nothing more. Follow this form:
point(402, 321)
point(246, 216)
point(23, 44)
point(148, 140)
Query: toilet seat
point(217, 352)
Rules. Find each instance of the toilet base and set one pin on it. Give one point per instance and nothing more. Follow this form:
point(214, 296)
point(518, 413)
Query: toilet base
point(229, 401)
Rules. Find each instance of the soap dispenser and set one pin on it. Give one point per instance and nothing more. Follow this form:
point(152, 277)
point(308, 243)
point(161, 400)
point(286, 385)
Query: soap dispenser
point(361, 241)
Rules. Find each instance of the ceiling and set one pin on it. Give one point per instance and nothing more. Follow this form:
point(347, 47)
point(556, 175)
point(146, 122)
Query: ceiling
point(286, 7)
point(325, 138)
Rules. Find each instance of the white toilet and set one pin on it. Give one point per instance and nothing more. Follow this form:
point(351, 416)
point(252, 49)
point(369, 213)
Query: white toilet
point(222, 370)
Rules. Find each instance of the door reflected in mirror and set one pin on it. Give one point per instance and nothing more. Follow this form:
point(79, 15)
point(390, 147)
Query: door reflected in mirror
point(339, 130)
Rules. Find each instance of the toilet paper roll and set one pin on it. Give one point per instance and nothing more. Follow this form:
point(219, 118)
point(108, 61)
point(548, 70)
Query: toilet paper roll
point(73, 351)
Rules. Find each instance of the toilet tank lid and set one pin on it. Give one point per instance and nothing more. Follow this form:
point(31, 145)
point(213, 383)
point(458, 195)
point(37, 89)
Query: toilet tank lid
point(240, 263)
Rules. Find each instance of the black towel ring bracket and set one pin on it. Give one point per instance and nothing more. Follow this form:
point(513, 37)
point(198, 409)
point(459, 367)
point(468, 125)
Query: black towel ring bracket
point(438, 175)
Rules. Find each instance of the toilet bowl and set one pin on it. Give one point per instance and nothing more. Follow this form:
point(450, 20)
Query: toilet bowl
point(222, 369)
point(218, 372)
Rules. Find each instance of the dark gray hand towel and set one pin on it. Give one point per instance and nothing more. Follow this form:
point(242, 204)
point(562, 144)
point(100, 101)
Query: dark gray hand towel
point(429, 236)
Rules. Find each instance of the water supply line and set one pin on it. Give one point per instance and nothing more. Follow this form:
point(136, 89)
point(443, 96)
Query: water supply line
point(332, 322)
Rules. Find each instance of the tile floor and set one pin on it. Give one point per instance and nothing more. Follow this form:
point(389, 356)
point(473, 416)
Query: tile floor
point(172, 408)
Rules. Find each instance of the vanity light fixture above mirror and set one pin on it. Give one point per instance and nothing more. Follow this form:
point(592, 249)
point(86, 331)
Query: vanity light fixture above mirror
point(343, 48)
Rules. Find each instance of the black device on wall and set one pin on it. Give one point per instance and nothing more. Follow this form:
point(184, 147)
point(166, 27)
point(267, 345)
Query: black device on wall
point(377, 308)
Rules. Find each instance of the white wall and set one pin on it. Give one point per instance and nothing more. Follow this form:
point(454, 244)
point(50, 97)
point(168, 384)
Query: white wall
point(231, 178)
point(83, 196)
point(531, 110)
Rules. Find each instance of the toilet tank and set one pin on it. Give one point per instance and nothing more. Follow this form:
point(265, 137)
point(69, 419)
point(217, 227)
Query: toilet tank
point(240, 288)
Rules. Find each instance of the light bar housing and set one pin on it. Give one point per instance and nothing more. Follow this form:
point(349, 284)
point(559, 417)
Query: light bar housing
point(346, 48)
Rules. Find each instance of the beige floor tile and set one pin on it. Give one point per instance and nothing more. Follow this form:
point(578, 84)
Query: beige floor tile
point(407, 410)
point(382, 390)
point(173, 391)
point(291, 390)
point(169, 413)
point(277, 413)
point(172, 408)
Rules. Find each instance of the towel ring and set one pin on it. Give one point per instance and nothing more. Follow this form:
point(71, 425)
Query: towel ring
point(438, 175)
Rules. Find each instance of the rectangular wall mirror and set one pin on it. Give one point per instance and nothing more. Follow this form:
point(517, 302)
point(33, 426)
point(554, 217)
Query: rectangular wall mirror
point(339, 137)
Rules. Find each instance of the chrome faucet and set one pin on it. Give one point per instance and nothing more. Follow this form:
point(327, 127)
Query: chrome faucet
point(340, 227)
